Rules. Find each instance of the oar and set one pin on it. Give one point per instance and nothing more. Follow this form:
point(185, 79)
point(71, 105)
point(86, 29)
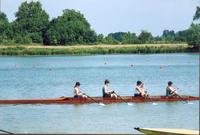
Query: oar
point(123, 99)
point(180, 97)
point(153, 103)
point(6, 132)
point(102, 104)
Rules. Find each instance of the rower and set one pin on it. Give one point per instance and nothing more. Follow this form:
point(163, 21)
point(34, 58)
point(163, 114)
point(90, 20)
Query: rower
point(106, 92)
point(170, 90)
point(140, 90)
point(77, 92)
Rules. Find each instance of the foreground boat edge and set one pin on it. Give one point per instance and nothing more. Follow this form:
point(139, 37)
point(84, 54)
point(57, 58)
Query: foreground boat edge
point(167, 131)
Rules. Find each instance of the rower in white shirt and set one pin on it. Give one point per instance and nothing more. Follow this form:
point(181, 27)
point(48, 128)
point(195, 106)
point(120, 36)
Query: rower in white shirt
point(140, 90)
point(77, 92)
point(107, 92)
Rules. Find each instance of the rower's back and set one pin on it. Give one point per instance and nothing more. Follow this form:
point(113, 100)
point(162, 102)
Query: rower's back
point(168, 89)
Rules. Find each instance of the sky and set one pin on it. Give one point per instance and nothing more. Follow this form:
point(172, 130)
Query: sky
point(108, 16)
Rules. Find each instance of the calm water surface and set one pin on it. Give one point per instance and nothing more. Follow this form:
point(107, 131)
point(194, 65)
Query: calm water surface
point(54, 76)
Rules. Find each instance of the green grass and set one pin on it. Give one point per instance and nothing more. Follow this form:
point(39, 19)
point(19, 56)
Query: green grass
point(92, 49)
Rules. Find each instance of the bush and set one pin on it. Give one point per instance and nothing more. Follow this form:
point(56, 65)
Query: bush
point(22, 39)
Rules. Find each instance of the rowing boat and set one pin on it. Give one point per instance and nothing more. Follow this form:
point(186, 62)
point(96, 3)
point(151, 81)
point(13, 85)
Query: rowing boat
point(167, 131)
point(71, 100)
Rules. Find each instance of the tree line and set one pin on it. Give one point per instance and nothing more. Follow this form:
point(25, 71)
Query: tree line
point(32, 25)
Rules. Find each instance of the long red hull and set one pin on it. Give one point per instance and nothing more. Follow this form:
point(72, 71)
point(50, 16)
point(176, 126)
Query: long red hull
point(71, 100)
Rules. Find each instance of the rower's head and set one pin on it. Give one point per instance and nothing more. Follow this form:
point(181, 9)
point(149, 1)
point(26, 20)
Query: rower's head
point(77, 84)
point(106, 82)
point(170, 83)
point(139, 83)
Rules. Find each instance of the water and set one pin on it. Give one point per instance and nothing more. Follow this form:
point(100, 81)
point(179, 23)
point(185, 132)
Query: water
point(54, 76)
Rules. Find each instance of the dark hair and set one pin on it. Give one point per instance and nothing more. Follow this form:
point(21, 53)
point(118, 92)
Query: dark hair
point(139, 82)
point(170, 83)
point(77, 84)
point(106, 81)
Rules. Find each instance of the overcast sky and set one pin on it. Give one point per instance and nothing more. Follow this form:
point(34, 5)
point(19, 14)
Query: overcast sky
point(106, 16)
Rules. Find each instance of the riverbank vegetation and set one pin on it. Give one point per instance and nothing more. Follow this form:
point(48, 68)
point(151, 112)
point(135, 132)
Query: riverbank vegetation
point(92, 49)
point(33, 26)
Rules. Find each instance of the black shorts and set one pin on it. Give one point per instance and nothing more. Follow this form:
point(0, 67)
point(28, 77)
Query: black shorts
point(77, 96)
point(137, 95)
point(107, 95)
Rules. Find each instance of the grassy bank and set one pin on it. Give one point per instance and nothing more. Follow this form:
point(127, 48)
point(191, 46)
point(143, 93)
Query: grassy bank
point(92, 49)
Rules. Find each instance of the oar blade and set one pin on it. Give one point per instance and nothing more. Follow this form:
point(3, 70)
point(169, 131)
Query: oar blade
point(130, 104)
point(102, 104)
point(154, 103)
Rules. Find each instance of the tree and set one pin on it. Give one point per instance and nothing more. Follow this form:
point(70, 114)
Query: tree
point(31, 21)
point(117, 35)
point(110, 40)
point(197, 14)
point(193, 33)
point(3, 23)
point(193, 36)
point(168, 35)
point(181, 36)
point(70, 28)
point(5, 32)
point(3, 19)
point(124, 37)
point(100, 38)
point(129, 38)
point(145, 37)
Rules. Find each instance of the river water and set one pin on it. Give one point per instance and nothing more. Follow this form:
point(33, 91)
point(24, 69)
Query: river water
point(54, 76)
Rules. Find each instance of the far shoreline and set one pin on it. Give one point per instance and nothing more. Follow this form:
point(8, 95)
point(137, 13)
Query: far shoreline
point(87, 50)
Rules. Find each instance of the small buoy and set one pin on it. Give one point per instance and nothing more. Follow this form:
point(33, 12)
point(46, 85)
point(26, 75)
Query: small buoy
point(161, 66)
point(131, 65)
point(16, 66)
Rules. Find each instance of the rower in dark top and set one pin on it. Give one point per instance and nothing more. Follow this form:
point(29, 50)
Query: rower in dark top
point(170, 90)
point(77, 92)
point(140, 90)
point(107, 92)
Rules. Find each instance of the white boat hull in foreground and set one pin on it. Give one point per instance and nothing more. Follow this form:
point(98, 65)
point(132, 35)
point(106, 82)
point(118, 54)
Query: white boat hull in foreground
point(167, 131)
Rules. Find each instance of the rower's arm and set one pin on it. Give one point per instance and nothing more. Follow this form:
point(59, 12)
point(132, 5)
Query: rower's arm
point(173, 90)
point(138, 89)
point(144, 88)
